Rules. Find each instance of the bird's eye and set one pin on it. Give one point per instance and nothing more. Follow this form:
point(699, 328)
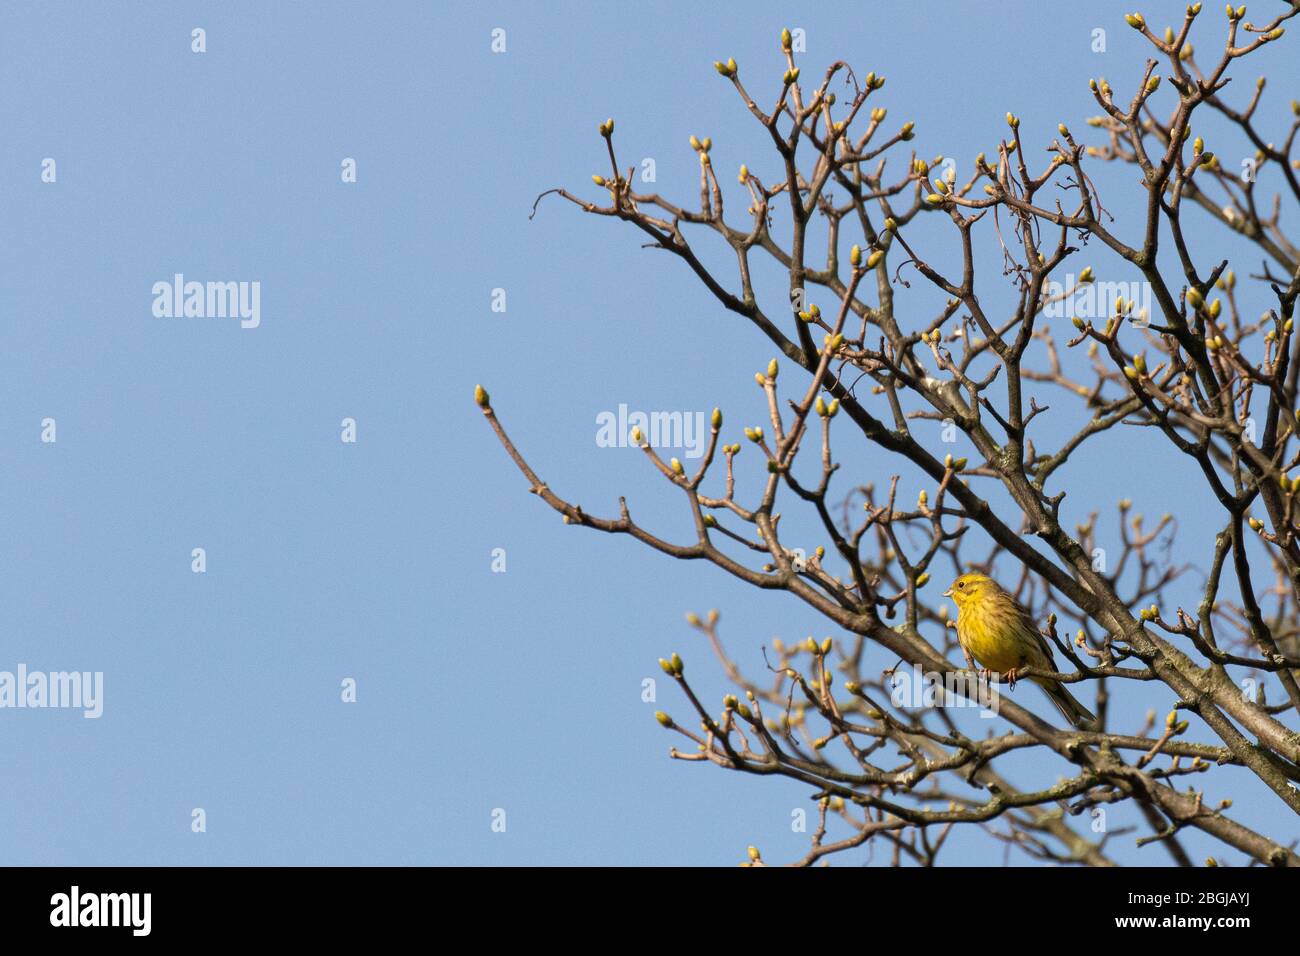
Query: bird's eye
point(961, 585)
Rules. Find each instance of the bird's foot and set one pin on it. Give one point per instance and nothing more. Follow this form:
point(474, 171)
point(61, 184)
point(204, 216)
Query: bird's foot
point(1011, 677)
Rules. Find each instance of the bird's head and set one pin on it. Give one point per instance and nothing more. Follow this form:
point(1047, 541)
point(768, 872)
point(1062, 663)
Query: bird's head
point(971, 587)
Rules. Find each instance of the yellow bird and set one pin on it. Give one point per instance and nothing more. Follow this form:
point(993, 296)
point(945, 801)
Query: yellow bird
point(999, 633)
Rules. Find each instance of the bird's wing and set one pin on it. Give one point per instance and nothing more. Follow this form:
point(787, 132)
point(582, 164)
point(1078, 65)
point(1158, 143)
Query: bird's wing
point(1027, 622)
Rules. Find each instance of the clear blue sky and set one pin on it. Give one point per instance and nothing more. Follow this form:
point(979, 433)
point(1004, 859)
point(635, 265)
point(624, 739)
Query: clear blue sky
point(372, 560)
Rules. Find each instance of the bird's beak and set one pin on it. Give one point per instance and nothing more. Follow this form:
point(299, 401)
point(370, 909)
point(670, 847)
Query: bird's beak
point(948, 593)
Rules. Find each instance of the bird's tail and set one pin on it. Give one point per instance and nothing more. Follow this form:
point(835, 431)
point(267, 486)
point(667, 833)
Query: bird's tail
point(1073, 711)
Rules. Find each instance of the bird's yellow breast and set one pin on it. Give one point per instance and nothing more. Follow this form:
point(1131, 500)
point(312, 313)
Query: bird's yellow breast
point(994, 639)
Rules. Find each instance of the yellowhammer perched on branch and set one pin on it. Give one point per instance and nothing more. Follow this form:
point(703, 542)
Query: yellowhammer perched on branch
point(999, 633)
